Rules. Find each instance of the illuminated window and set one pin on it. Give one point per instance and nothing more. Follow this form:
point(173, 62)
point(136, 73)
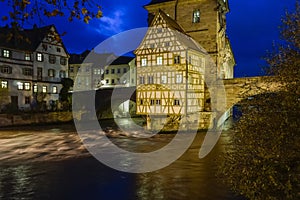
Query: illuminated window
point(39, 57)
point(52, 59)
point(4, 84)
point(163, 79)
point(144, 62)
point(27, 57)
point(35, 88)
point(159, 60)
point(27, 86)
point(196, 16)
point(44, 89)
point(97, 71)
point(54, 89)
point(20, 86)
point(178, 78)
point(6, 53)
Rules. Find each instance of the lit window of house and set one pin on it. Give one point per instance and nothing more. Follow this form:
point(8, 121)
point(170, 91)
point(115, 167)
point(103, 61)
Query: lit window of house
point(150, 80)
point(52, 59)
point(142, 80)
point(97, 71)
point(178, 78)
point(27, 57)
point(35, 88)
point(20, 86)
point(4, 84)
point(63, 61)
point(6, 53)
point(159, 60)
point(176, 102)
point(163, 79)
point(144, 62)
point(176, 59)
point(51, 72)
point(54, 89)
point(44, 89)
point(196, 16)
point(27, 86)
point(39, 57)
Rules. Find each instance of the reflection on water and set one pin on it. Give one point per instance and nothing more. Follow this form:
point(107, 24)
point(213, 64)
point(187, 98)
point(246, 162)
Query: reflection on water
point(51, 163)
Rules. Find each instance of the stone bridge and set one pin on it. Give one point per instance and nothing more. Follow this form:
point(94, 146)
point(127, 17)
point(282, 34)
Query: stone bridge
point(237, 89)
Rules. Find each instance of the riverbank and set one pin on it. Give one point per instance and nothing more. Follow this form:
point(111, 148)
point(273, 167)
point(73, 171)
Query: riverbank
point(8, 120)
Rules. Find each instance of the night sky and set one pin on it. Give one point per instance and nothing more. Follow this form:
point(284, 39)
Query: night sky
point(252, 27)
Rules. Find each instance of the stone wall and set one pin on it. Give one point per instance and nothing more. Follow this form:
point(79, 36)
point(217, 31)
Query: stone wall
point(34, 118)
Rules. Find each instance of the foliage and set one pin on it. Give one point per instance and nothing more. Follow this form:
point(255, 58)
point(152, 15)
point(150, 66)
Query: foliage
point(25, 10)
point(262, 160)
point(64, 96)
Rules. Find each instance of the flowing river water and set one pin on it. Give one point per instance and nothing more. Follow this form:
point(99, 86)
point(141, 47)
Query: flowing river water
point(50, 162)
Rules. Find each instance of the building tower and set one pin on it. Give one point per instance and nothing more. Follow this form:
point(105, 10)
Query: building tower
point(205, 22)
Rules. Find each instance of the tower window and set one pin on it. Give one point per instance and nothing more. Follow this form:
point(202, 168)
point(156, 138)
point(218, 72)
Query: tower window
point(196, 16)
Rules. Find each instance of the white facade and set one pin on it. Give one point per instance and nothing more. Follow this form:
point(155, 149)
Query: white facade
point(38, 67)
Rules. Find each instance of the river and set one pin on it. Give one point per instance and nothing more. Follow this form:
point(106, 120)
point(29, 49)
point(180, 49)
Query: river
point(50, 162)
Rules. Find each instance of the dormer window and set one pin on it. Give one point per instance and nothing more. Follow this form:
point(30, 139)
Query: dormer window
point(196, 16)
point(6, 53)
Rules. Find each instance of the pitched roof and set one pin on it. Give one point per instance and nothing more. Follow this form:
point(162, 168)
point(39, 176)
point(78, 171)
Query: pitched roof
point(158, 1)
point(122, 60)
point(27, 39)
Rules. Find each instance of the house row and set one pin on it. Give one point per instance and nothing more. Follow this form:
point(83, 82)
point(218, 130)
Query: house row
point(34, 61)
